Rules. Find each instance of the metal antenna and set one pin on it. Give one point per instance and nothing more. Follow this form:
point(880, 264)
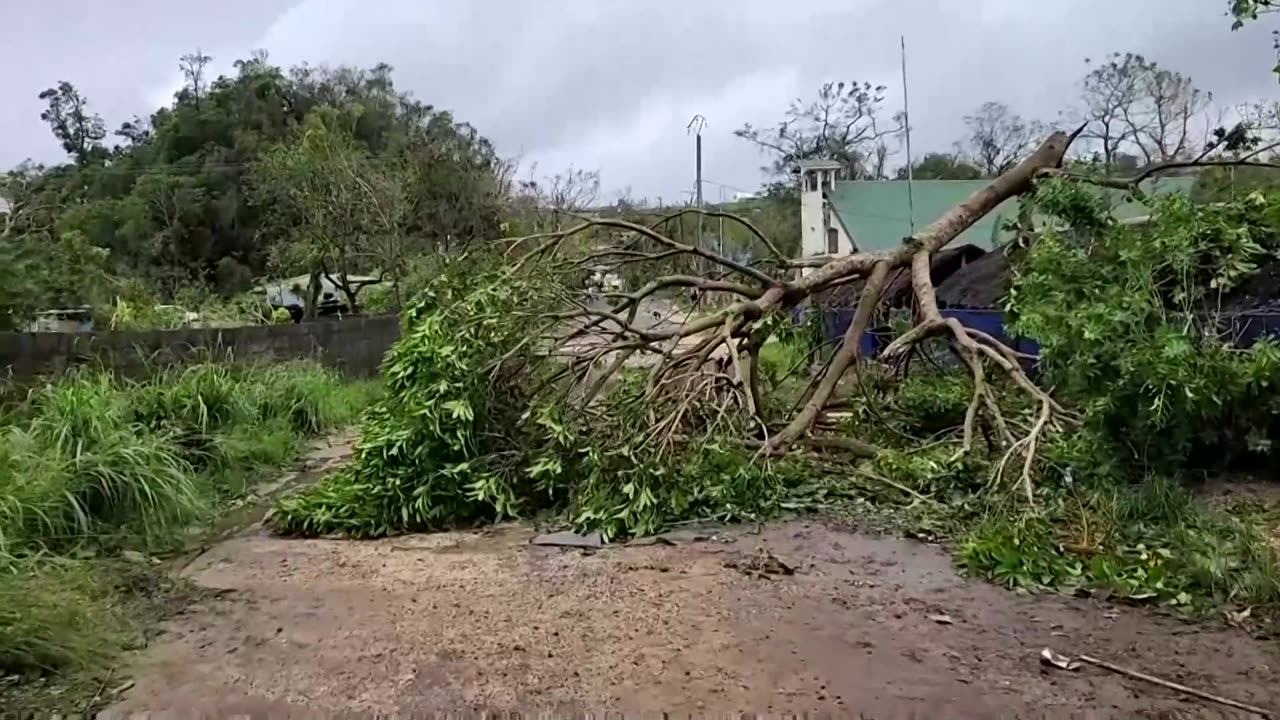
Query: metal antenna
point(906, 122)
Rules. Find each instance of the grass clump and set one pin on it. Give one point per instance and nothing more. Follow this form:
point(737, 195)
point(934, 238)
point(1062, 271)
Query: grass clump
point(1146, 541)
point(1149, 539)
point(56, 616)
point(93, 467)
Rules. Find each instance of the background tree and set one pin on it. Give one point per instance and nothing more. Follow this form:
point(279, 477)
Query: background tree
point(135, 131)
point(340, 211)
point(941, 166)
point(193, 67)
point(174, 207)
point(457, 181)
point(79, 131)
point(842, 123)
point(545, 204)
point(1133, 105)
point(997, 137)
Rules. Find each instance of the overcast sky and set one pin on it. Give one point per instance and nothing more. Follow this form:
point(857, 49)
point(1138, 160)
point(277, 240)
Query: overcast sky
point(611, 84)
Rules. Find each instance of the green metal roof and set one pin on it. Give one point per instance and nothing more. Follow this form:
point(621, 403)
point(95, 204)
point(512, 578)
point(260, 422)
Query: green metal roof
point(877, 216)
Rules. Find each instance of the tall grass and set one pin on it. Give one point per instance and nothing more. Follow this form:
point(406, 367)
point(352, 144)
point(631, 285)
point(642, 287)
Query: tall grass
point(57, 616)
point(92, 464)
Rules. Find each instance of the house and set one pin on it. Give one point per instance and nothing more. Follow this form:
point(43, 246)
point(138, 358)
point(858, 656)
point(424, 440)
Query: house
point(840, 217)
point(289, 293)
point(66, 320)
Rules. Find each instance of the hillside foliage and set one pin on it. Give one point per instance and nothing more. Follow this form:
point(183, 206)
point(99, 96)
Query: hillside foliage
point(190, 196)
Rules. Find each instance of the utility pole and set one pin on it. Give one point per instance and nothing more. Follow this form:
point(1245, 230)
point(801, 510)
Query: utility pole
point(696, 126)
point(720, 230)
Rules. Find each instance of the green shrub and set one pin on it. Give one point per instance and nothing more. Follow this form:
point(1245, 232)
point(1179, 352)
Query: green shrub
point(1124, 318)
point(1149, 540)
point(439, 448)
point(928, 403)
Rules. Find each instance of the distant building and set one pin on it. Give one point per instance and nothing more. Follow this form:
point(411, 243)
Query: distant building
point(66, 320)
point(290, 293)
point(840, 217)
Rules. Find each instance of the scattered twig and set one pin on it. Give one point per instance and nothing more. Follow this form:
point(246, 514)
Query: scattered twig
point(98, 695)
point(898, 486)
point(1176, 686)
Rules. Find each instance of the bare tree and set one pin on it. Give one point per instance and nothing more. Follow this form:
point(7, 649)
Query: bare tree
point(551, 200)
point(193, 67)
point(1257, 131)
point(1134, 106)
point(998, 137)
point(886, 145)
point(840, 124)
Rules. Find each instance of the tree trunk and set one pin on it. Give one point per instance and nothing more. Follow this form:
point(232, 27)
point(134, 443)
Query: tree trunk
point(312, 300)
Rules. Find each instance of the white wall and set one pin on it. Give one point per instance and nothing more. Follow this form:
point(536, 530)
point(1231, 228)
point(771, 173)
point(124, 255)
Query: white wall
point(816, 220)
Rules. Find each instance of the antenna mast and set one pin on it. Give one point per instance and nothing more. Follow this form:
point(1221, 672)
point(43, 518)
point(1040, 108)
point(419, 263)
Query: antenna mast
point(906, 122)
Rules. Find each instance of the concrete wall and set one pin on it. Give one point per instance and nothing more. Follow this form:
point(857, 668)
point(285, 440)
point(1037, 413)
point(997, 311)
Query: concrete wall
point(355, 345)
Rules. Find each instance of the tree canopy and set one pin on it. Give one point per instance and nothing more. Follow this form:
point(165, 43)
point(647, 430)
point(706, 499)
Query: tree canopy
point(175, 202)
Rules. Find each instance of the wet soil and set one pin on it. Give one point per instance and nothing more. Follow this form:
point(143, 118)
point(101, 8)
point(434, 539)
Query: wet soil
point(485, 620)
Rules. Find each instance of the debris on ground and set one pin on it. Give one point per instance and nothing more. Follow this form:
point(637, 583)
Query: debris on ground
point(762, 564)
point(1049, 657)
point(1062, 662)
point(569, 539)
point(679, 537)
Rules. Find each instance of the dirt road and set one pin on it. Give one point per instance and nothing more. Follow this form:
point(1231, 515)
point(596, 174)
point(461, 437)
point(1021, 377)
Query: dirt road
point(487, 621)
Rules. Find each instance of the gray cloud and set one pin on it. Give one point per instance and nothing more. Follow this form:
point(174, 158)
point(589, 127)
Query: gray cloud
point(118, 54)
point(611, 85)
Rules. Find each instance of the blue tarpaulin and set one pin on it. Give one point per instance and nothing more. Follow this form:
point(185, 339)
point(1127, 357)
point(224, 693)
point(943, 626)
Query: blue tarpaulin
point(1241, 329)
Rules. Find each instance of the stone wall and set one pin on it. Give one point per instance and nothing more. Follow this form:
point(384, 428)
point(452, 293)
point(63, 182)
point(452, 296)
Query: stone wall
point(354, 345)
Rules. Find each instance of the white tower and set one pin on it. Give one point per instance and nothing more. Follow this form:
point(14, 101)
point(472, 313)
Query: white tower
point(820, 232)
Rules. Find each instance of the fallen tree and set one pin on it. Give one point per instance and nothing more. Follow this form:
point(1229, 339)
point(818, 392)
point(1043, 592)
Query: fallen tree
point(510, 392)
point(513, 393)
point(763, 297)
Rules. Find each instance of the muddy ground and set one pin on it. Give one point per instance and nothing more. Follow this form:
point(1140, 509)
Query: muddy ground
point(487, 621)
